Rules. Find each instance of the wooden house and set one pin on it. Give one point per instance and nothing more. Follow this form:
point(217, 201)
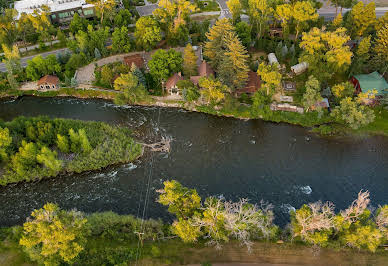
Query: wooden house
point(48, 82)
point(171, 84)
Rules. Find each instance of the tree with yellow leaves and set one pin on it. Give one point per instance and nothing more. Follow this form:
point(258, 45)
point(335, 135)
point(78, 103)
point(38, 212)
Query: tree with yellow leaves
point(102, 6)
point(342, 90)
point(338, 20)
point(259, 12)
point(12, 63)
point(381, 21)
point(235, 8)
point(381, 44)
point(189, 61)
point(326, 52)
point(213, 91)
point(8, 27)
point(284, 14)
point(303, 11)
point(53, 236)
point(270, 75)
point(361, 18)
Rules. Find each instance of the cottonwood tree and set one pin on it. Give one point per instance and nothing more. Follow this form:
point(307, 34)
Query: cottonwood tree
point(235, 8)
point(342, 90)
point(52, 236)
point(382, 220)
point(284, 13)
point(165, 63)
point(357, 208)
point(8, 27)
point(312, 95)
point(102, 6)
point(243, 31)
point(314, 222)
point(12, 63)
point(213, 91)
point(147, 33)
point(361, 18)
point(5, 142)
point(303, 11)
point(190, 61)
point(381, 46)
point(326, 52)
point(259, 12)
point(132, 89)
point(270, 75)
point(121, 40)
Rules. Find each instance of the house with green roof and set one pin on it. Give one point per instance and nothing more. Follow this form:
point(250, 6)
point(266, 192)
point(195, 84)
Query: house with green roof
point(372, 81)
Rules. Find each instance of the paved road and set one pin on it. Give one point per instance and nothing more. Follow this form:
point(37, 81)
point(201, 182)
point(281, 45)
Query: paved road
point(23, 61)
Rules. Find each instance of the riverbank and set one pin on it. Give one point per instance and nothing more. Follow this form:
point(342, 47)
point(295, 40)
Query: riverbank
point(113, 242)
point(40, 147)
point(323, 125)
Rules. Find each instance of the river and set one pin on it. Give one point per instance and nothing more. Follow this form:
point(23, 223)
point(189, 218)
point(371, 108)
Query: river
point(279, 163)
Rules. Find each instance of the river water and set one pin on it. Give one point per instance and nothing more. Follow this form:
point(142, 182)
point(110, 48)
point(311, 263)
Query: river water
point(279, 163)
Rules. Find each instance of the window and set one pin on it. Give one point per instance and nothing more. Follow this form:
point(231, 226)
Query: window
point(53, 16)
point(88, 12)
point(53, 86)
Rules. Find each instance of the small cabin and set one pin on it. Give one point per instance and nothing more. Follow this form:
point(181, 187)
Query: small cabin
point(289, 86)
point(323, 104)
point(48, 82)
point(171, 84)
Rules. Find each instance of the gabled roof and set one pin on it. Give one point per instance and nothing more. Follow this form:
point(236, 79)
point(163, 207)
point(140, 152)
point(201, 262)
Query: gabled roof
point(205, 70)
point(372, 81)
point(136, 59)
point(253, 83)
point(48, 79)
point(173, 80)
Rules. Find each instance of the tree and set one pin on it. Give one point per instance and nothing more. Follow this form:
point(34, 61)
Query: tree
point(107, 76)
point(8, 27)
point(12, 63)
point(53, 235)
point(133, 90)
point(312, 94)
point(303, 11)
point(181, 201)
point(342, 90)
point(61, 37)
point(48, 159)
point(314, 222)
point(123, 18)
point(364, 47)
point(284, 14)
point(342, 4)
point(326, 52)
point(147, 33)
point(41, 22)
point(78, 24)
point(189, 91)
point(259, 12)
point(84, 142)
point(361, 18)
point(5, 142)
point(92, 39)
point(338, 21)
point(190, 61)
point(38, 67)
point(102, 6)
point(121, 40)
point(235, 8)
point(382, 220)
point(25, 29)
point(352, 113)
point(139, 74)
point(212, 90)
point(234, 69)
point(165, 63)
point(214, 47)
point(244, 33)
point(381, 45)
point(270, 75)
point(25, 159)
point(63, 143)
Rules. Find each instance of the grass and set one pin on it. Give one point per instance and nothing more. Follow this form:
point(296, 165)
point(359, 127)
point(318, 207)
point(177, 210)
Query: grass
point(208, 6)
point(380, 125)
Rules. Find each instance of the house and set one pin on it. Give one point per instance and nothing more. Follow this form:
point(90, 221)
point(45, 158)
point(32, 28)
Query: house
point(276, 32)
point(372, 81)
point(136, 59)
point(324, 104)
point(61, 11)
point(204, 70)
point(289, 86)
point(253, 84)
point(299, 68)
point(48, 82)
point(286, 107)
point(171, 84)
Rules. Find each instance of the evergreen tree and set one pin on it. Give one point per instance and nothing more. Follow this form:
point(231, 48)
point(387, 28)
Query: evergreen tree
point(97, 53)
point(189, 61)
point(140, 76)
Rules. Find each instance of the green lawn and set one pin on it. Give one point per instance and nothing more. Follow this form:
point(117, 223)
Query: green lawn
point(380, 125)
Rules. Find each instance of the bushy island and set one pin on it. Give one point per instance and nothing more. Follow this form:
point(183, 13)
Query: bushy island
point(40, 147)
point(53, 236)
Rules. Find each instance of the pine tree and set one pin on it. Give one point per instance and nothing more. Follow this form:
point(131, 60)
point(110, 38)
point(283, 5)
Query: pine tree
point(234, 68)
point(215, 46)
point(97, 53)
point(189, 61)
point(140, 76)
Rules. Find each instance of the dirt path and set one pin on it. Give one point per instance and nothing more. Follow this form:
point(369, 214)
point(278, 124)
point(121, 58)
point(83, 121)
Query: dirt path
point(85, 75)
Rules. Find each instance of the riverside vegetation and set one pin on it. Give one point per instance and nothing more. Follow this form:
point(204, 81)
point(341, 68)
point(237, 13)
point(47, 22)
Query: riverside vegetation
point(53, 236)
point(41, 147)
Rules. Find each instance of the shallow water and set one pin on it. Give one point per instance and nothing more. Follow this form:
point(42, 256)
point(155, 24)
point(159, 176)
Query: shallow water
point(279, 163)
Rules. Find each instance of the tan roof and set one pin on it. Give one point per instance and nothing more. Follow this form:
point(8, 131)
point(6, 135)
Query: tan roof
point(253, 84)
point(136, 59)
point(205, 69)
point(173, 80)
point(48, 79)
point(195, 79)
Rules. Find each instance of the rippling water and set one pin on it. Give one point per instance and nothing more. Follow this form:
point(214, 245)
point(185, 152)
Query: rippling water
point(279, 163)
